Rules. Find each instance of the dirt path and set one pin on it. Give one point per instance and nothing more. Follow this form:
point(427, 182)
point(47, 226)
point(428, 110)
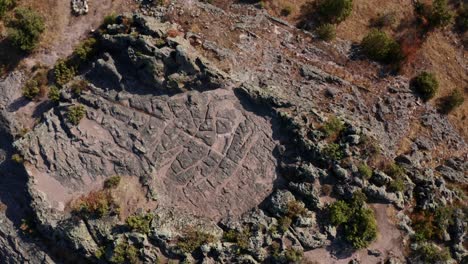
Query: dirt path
point(64, 30)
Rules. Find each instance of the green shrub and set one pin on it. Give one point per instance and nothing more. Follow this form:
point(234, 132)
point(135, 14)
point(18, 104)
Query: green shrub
point(326, 32)
point(240, 238)
point(426, 85)
point(286, 11)
point(140, 223)
point(380, 47)
point(333, 151)
point(125, 253)
point(36, 86)
point(6, 5)
point(395, 171)
point(430, 253)
point(385, 20)
point(75, 114)
point(63, 73)
point(437, 14)
point(25, 29)
point(194, 239)
point(86, 49)
point(358, 221)
point(333, 126)
point(369, 146)
point(339, 212)
point(110, 19)
point(31, 89)
point(17, 158)
point(397, 185)
point(335, 11)
point(449, 103)
point(284, 223)
point(462, 18)
point(365, 171)
point(112, 182)
point(293, 255)
point(54, 94)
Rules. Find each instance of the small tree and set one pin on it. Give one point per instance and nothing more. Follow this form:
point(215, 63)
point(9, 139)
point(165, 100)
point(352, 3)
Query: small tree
point(6, 5)
point(380, 47)
point(335, 11)
point(63, 73)
point(426, 85)
point(25, 29)
point(449, 103)
point(75, 114)
point(54, 94)
point(326, 32)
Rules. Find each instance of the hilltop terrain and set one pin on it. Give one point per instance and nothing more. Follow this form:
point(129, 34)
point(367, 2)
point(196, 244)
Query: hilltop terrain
point(233, 132)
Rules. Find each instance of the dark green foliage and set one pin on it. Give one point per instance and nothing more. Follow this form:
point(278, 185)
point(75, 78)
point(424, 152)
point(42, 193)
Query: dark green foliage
point(449, 103)
point(380, 47)
point(293, 255)
point(125, 253)
point(193, 239)
point(25, 29)
point(110, 19)
point(31, 89)
point(333, 151)
point(339, 212)
point(398, 174)
point(140, 223)
point(335, 11)
point(365, 171)
point(333, 126)
point(395, 171)
point(397, 185)
point(358, 221)
point(385, 20)
point(240, 238)
point(75, 114)
point(436, 15)
point(6, 5)
point(54, 94)
point(63, 73)
point(430, 253)
point(86, 49)
point(326, 32)
point(426, 85)
point(286, 11)
point(36, 86)
point(462, 18)
point(430, 225)
point(112, 182)
point(284, 223)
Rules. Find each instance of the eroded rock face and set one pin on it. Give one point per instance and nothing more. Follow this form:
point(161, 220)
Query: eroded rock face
point(198, 151)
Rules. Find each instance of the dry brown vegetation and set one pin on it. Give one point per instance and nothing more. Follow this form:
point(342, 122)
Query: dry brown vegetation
point(440, 51)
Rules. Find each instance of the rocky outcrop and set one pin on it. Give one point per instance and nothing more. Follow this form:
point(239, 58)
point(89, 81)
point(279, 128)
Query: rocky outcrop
point(80, 7)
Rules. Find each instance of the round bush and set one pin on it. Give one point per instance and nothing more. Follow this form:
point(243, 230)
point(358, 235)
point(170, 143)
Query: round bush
point(380, 47)
point(326, 32)
point(335, 11)
point(426, 85)
point(25, 29)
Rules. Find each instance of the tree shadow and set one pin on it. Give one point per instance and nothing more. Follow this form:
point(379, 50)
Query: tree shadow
point(10, 56)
